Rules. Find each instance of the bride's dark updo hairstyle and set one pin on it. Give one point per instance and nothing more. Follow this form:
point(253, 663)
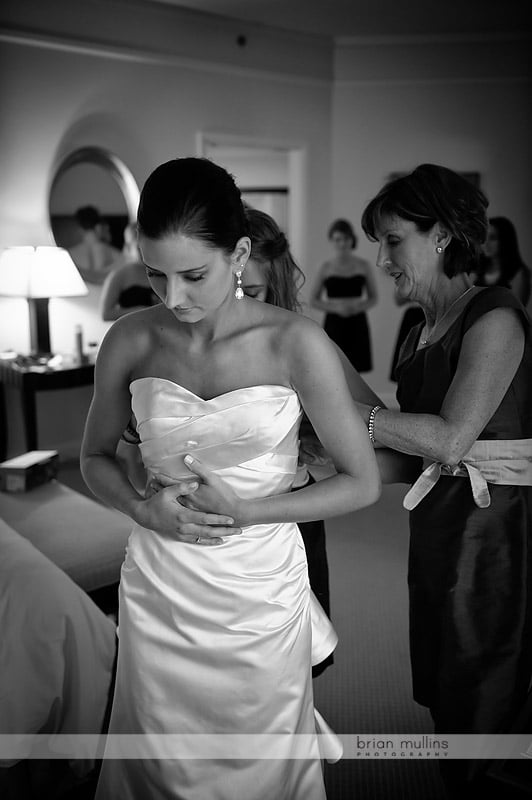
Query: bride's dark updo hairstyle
point(192, 197)
point(270, 249)
point(432, 194)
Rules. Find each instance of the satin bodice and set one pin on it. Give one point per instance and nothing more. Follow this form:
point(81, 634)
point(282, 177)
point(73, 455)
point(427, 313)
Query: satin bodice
point(248, 436)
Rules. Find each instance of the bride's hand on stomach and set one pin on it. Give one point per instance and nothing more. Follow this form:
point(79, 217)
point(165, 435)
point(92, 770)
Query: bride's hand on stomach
point(212, 494)
point(167, 509)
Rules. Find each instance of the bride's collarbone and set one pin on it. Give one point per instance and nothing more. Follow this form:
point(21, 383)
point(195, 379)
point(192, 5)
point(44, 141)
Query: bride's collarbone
point(213, 375)
point(248, 358)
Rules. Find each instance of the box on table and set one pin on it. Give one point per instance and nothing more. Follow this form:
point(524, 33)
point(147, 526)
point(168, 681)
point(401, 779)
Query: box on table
point(28, 470)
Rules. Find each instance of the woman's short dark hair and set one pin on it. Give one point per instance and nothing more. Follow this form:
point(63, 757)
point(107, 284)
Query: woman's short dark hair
point(344, 227)
point(192, 197)
point(270, 249)
point(88, 217)
point(509, 256)
point(432, 194)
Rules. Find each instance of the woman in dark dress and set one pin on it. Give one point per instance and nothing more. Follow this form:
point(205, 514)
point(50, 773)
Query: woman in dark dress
point(345, 289)
point(465, 395)
point(501, 264)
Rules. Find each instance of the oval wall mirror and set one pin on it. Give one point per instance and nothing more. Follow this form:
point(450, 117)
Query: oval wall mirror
point(93, 197)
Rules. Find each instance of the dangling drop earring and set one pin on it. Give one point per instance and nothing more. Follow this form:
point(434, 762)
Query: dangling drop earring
point(239, 292)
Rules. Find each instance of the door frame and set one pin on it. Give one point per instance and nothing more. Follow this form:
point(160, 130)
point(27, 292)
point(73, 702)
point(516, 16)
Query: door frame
point(296, 152)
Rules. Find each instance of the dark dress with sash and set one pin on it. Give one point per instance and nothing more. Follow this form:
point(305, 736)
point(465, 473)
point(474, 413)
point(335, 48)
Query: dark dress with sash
point(351, 334)
point(470, 568)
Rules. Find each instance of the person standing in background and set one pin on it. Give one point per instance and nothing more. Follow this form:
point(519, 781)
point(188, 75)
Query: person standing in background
point(502, 264)
point(92, 255)
point(345, 289)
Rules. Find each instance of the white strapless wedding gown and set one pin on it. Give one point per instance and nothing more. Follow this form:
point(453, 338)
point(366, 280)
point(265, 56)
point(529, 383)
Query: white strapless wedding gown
point(217, 640)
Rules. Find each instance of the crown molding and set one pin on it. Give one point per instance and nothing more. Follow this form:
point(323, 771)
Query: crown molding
point(145, 56)
point(510, 80)
point(419, 39)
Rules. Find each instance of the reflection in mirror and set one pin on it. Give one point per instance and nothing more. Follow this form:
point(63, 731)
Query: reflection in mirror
point(93, 197)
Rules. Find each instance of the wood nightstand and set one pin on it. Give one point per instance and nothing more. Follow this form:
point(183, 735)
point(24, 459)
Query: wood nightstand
point(32, 379)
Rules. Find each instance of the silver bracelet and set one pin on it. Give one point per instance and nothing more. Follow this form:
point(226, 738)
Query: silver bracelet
point(371, 423)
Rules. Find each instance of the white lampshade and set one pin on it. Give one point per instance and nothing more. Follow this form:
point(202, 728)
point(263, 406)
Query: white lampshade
point(39, 272)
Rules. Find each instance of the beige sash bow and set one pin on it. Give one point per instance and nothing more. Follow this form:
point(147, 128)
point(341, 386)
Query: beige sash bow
point(507, 462)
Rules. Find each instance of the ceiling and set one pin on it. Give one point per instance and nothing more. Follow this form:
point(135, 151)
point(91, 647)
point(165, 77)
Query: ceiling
point(337, 18)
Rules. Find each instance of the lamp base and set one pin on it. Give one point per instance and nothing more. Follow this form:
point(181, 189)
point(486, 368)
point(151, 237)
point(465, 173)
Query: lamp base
point(39, 327)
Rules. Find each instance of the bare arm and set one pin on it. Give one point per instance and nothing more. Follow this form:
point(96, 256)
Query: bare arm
point(114, 285)
point(491, 352)
point(108, 416)
point(394, 467)
point(360, 391)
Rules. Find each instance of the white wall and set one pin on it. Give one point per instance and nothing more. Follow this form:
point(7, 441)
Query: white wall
point(87, 184)
point(465, 105)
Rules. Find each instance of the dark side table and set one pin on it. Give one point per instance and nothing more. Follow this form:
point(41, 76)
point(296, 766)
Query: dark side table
point(32, 379)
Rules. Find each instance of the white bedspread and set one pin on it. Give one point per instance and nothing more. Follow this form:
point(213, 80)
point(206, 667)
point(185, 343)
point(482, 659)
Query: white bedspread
point(56, 646)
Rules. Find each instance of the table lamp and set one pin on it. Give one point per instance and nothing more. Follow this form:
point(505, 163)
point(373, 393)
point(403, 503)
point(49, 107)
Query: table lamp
point(38, 273)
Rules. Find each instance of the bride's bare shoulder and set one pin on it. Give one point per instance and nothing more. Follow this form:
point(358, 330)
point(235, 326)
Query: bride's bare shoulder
point(281, 318)
point(295, 332)
point(134, 332)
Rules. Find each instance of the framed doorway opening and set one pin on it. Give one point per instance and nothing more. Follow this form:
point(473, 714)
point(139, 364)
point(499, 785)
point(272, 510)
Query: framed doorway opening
point(271, 175)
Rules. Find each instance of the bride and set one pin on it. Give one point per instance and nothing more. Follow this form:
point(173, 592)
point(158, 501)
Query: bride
point(217, 639)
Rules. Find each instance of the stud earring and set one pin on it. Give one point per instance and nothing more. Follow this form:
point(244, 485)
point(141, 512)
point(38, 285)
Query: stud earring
point(239, 292)
point(439, 249)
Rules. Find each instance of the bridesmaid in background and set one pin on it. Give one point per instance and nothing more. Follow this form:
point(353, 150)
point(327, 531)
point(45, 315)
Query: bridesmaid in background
point(501, 264)
point(345, 289)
